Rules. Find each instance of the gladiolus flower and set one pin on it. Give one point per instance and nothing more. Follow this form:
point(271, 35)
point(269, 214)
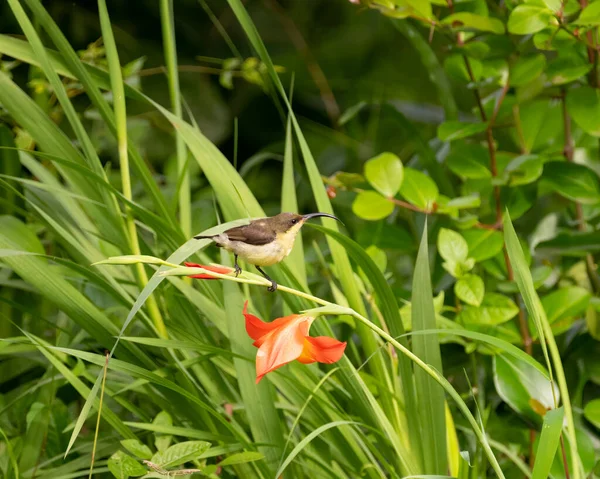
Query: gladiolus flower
point(286, 339)
point(215, 269)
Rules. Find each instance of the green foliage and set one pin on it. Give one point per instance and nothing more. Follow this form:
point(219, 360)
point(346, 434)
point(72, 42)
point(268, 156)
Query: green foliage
point(110, 163)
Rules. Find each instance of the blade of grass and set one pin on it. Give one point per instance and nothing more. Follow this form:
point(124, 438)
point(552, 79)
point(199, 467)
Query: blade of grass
point(289, 202)
point(99, 415)
point(258, 398)
point(536, 311)
point(92, 80)
point(548, 444)
point(114, 68)
point(302, 444)
point(430, 396)
point(170, 51)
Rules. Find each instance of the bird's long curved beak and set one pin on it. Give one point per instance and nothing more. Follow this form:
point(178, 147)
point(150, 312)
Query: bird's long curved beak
point(316, 215)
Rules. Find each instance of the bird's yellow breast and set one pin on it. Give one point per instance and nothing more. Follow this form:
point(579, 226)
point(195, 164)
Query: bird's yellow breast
point(268, 254)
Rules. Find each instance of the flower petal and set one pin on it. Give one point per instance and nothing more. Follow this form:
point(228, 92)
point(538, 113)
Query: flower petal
point(282, 345)
point(257, 329)
point(322, 349)
point(215, 269)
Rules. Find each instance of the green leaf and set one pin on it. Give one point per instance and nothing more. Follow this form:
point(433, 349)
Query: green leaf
point(180, 453)
point(469, 160)
point(527, 19)
point(452, 246)
point(370, 205)
point(431, 397)
point(495, 309)
point(137, 448)
point(547, 340)
point(526, 69)
point(590, 15)
point(567, 69)
point(583, 104)
point(483, 243)
point(517, 383)
point(470, 289)
point(241, 458)
point(385, 173)
point(524, 169)
point(419, 189)
point(548, 445)
point(123, 466)
point(573, 181)
point(454, 130)
point(565, 302)
point(162, 441)
point(478, 22)
point(592, 412)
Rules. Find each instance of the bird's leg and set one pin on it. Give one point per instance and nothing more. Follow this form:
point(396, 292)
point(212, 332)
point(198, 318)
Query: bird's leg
point(238, 270)
point(273, 286)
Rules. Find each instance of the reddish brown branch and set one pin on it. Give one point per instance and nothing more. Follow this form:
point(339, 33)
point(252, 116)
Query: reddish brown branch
point(331, 106)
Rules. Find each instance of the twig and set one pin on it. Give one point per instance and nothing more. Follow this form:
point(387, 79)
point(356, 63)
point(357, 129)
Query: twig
point(327, 96)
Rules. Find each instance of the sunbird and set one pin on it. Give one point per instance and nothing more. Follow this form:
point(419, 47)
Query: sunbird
point(263, 242)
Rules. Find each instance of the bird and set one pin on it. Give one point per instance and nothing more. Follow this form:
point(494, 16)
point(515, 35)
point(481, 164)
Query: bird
point(264, 241)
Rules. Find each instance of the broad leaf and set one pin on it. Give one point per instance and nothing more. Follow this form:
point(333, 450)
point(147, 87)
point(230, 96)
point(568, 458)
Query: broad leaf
point(370, 205)
point(385, 173)
point(573, 181)
point(454, 130)
point(583, 104)
point(470, 289)
point(419, 189)
point(123, 466)
point(527, 19)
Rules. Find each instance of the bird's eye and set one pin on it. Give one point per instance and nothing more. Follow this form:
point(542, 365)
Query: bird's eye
point(294, 221)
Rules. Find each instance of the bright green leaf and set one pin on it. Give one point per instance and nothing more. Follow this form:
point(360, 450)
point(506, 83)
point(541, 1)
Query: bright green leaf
point(583, 104)
point(137, 448)
point(180, 453)
point(526, 69)
point(527, 19)
point(370, 205)
point(469, 160)
point(241, 458)
point(452, 246)
point(590, 15)
point(478, 22)
point(123, 466)
point(592, 412)
point(385, 173)
point(495, 309)
point(470, 289)
point(454, 130)
point(483, 243)
point(419, 189)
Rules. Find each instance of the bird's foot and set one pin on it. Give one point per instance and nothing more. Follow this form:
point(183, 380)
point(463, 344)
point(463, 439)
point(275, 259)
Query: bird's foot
point(273, 287)
point(237, 270)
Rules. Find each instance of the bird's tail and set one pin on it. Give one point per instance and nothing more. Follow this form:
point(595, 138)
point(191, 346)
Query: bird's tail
point(205, 237)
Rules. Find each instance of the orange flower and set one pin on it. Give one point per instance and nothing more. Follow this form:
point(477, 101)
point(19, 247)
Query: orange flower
point(286, 339)
point(215, 269)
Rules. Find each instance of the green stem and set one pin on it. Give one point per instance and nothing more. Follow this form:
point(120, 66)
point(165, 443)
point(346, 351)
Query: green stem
point(118, 90)
point(170, 51)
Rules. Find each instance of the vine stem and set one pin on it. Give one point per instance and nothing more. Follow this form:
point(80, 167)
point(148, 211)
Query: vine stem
point(253, 279)
point(523, 326)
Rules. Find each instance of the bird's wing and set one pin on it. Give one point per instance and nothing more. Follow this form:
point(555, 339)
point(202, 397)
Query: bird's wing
point(247, 234)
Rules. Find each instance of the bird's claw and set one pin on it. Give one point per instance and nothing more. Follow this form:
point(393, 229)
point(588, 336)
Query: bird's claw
point(237, 270)
point(273, 287)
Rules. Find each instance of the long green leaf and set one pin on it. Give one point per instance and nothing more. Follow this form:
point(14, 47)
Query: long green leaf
point(430, 395)
point(258, 398)
point(548, 445)
point(536, 311)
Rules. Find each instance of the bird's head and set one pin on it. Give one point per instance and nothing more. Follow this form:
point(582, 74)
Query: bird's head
point(292, 222)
